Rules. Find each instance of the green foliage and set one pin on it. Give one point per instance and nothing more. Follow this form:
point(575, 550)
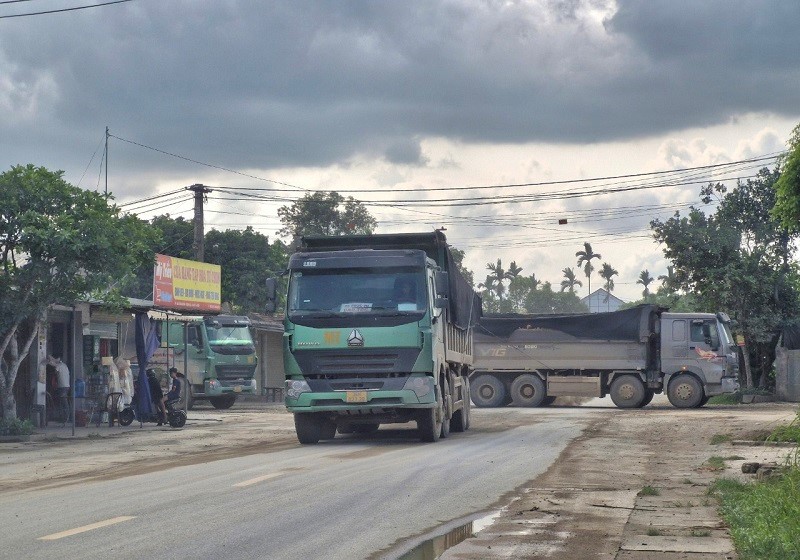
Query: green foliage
point(737, 260)
point(716, 463)
point(645, 280)
point(764, 517)
point(717, 439)
point(58, 244)
point(787, 433)
point(15, 427)
point(323, 213)
point(649, 491)
point(607, 273)
point(787, 203)
point(247, 259)
point(570, 281)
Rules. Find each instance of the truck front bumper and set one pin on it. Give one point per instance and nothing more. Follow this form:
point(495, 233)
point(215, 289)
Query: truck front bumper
point(417, 392)
point(725, 386)
point(217, 388)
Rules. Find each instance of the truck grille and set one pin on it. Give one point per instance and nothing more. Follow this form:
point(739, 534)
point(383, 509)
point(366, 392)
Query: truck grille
point(353, 363)
point(234, 372)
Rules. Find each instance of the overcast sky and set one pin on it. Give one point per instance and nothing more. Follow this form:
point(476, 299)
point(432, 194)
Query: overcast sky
point(397, 98)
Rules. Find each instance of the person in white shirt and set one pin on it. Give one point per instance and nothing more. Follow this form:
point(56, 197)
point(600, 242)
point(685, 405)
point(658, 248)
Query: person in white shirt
point(62, 391)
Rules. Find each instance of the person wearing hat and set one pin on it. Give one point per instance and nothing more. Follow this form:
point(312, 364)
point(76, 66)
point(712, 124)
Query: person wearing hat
point(174, 393)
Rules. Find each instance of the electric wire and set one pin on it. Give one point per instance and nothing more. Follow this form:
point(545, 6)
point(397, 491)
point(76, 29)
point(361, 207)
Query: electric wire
point(60, 10)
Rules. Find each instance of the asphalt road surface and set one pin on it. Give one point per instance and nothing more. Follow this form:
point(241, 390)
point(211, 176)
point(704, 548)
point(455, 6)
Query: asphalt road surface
point(345, 499)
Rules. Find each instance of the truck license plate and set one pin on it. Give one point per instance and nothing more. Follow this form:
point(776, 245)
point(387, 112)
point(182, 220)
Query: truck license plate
point(237, 389)
point(356, 396)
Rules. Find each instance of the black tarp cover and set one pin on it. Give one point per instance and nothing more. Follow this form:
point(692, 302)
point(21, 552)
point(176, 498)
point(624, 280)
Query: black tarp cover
point(634, 324)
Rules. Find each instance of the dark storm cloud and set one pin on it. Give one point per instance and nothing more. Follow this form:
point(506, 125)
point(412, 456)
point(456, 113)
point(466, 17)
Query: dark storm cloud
point(248, 84)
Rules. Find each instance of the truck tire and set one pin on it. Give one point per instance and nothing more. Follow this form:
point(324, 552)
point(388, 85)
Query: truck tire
point(428, 428)
point(487, 391)
point(307, 427)
point(460, 421)
point(704, 401)
point(528, 390)
point(648, 397)
point(447, 409)
point(327, 428)
point(224, 402)
point(685, 391)
point(548, 401)
point(627, 391)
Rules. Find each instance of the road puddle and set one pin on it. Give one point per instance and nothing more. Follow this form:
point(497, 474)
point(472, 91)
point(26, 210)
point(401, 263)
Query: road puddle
point(433, 547)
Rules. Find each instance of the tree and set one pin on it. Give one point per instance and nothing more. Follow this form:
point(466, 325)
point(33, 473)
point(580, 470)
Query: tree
point(738, 260)
point(570, 280)
point(171, 236)
point(787, 201)
point(58, 244)
point(247, 259)
point(322, 213)
point(669, 281)
point(607, 273)
point(458, 258)
point(585, 258)
point(546, 300)
point(498, 274)
point(645, 280)
point(519, 290)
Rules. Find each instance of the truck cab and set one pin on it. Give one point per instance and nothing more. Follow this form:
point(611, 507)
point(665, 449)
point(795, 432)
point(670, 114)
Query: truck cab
point(698, 346)
point(220, 357)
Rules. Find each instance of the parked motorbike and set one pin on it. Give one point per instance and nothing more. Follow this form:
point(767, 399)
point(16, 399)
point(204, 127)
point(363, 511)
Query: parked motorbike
point(176, 417)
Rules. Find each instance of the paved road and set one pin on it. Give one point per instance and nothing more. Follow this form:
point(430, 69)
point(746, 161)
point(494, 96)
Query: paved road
point(344, 499)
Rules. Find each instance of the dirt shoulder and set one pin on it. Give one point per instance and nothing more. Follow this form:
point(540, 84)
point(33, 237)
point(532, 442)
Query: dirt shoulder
point(591, 504)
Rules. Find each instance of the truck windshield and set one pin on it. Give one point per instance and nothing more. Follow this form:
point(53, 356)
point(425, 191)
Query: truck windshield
point(351, 291)
point(727, 335)
point(229, 339)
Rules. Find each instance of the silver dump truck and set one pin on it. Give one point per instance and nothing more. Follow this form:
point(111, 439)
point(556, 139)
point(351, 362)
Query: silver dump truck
point(529, 360)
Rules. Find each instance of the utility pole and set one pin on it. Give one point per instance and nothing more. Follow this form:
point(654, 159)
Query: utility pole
point(106, 154)
point(199, 239)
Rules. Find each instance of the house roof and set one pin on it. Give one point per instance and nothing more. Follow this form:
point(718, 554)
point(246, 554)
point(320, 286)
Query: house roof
point(602, 292)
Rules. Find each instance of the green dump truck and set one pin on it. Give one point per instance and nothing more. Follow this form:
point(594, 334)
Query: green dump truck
point(220, 356)
point(529, 360)
point(377, 330)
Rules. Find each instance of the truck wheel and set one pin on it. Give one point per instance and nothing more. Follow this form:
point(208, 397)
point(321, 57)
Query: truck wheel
point(460, 421)
point(704, 401)
point(685, 391)
point(547, 401)
point(223, 402)
point(627, 391)
point(487, 391)
point(427, 426)
point(447, 409)
point(307, 427)
point(648, 397)
point(527, 390)
point(327, 428)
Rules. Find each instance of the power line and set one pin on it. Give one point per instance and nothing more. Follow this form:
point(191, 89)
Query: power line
point(86, 7)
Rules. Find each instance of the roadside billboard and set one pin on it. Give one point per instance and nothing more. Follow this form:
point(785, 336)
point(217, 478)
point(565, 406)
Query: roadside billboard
point(186, 285)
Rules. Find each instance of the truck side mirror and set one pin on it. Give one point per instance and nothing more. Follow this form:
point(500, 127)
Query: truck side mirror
point(440, 302)
point(441, 283)
point(272, 290)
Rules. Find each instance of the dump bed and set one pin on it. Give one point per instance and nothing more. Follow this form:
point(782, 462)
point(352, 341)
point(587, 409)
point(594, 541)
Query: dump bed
point(620, 340)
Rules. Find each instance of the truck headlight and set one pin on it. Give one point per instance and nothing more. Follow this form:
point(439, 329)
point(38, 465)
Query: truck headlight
point(420, 385)
point(294, 388)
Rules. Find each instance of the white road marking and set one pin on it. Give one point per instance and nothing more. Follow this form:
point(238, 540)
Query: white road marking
point(257, 479)
point(85, 528)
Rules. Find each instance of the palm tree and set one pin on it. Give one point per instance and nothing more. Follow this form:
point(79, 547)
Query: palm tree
point(570, 280)
point(645, 279)
point(669, 280)
point(585, 258)
point(607, 273)
point(499, 274)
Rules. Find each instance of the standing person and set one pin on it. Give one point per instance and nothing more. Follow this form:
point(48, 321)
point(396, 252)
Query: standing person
point(62, 390)
point(157, 395)
point(125, 380)
point(174, 393)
